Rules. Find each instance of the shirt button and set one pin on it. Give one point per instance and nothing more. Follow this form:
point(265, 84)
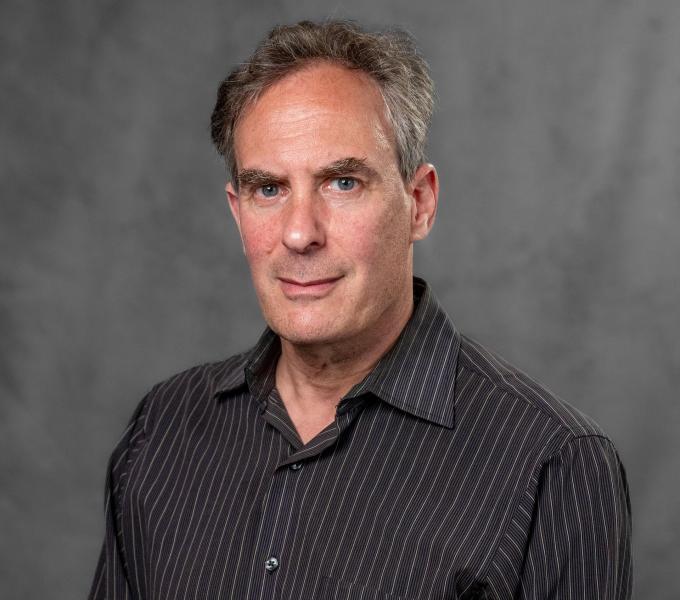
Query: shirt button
point(271, 564)
point(296, 466)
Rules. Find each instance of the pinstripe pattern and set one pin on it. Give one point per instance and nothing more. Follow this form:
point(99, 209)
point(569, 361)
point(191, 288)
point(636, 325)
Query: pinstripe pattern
point(446, 474)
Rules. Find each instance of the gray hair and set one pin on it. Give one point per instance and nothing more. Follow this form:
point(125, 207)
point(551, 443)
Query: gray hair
point(390, 58)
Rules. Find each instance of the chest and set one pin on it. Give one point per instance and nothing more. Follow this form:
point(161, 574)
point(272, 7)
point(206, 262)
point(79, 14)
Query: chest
point(390, 508)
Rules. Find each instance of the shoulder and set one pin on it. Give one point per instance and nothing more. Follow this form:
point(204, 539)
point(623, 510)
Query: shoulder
point(204, 377)
point(524, 422)
point(186, 389)
point(522, 393)
point(163, 413)
point(566, 449)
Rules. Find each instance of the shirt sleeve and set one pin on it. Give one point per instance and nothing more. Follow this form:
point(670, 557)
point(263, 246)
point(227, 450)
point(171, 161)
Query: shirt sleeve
point(579, 545)
point(111, 579)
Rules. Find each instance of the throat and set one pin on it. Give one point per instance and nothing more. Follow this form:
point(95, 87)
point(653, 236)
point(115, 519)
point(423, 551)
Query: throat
point(313, 379)
point(311, 394)
point(309, 424)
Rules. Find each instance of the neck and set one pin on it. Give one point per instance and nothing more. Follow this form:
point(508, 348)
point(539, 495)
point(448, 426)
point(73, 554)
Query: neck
point(313, 378)
point(323, 374)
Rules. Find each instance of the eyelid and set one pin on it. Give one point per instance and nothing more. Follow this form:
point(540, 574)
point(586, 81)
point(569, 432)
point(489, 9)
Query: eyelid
point(255, 192)
point(258, 185)
point(258, 182)
point(276, 188)
point(329, 183)
point(343, 176)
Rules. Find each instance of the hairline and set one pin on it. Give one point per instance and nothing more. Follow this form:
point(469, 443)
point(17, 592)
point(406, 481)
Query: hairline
point(299, 67)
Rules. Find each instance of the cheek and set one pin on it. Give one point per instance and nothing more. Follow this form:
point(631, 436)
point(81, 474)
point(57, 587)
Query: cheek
point(258, 241)
point(378, 242)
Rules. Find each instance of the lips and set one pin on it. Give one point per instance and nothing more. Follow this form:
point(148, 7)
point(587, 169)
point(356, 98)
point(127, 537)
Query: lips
point(309, 283)
point(312, 288)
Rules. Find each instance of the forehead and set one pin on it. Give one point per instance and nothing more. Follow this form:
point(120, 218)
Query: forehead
point(324, 108)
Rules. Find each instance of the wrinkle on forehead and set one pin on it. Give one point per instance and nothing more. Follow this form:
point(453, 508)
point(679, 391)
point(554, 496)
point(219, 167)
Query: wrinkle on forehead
point(282, 101)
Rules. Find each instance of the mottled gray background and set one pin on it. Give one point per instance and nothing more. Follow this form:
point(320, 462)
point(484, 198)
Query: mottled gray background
point(557, 136)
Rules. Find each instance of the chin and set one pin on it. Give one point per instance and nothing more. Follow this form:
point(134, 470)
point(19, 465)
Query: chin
point(306, 330)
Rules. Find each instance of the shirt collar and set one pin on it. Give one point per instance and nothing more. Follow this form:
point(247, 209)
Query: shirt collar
point(417, 375)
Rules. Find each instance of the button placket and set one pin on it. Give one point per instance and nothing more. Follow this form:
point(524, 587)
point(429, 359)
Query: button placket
point(276, 507)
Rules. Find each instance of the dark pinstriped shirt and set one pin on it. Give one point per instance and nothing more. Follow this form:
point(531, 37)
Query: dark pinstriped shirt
point(447, 473)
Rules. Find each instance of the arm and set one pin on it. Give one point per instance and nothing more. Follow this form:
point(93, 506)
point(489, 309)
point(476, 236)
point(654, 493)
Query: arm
point(111, 580)
point(579, 544)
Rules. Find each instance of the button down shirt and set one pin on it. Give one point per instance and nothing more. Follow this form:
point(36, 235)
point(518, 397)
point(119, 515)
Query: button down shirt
point(447, 473)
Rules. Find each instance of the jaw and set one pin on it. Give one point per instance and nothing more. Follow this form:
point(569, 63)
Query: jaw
point(337, 319)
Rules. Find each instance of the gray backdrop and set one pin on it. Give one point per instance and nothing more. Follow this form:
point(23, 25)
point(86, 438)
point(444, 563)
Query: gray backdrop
point(557, 136)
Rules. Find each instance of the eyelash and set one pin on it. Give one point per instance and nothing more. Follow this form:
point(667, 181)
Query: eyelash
point(258, 190)
point(268, 185)
point(354, 181)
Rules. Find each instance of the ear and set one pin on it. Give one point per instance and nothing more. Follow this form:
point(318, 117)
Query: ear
point(232, 197)
point(235, 207)
point(424, 192)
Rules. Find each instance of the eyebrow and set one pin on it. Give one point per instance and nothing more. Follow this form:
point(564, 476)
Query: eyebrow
point(347, 166)
point(251, 178)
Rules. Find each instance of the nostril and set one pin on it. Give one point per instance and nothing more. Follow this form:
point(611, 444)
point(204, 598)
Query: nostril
point(301, 234)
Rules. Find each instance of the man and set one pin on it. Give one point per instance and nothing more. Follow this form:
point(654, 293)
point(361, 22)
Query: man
point(363, 448)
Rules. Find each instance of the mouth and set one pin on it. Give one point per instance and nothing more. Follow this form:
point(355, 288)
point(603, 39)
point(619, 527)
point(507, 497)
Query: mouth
point(313, 288)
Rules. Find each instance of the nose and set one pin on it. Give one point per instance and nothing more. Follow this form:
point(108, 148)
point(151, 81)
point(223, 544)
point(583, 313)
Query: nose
point(303, 226)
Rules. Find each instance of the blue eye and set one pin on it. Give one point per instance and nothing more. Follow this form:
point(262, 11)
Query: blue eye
point(344, 184)
point(270, 190)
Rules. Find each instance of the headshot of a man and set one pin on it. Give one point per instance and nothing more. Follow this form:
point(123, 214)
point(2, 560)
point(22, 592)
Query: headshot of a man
point(363, 447)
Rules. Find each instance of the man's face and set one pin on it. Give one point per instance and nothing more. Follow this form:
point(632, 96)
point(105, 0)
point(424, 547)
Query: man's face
point(326, 220)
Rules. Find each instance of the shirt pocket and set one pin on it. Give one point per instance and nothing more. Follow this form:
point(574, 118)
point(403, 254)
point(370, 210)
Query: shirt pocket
point(333, 589)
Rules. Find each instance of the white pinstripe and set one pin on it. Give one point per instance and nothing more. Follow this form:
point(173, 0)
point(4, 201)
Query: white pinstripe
point(449, 472)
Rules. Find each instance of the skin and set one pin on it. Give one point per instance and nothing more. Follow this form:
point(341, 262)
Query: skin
point(327, 225)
